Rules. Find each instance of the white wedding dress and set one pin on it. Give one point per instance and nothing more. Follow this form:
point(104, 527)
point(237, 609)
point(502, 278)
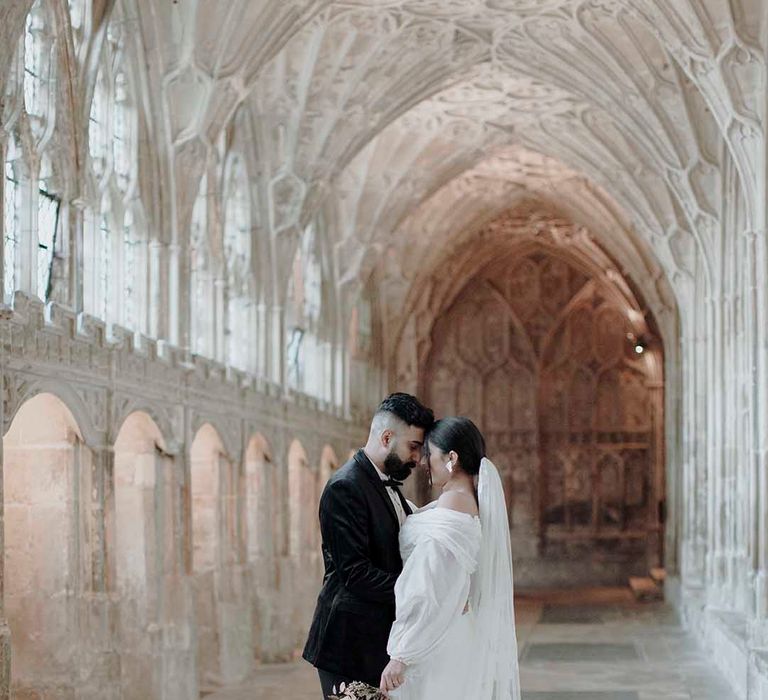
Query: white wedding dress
point(454, 626)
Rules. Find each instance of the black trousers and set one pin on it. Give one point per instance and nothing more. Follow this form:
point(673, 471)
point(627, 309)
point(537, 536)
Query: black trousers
point(329, 681)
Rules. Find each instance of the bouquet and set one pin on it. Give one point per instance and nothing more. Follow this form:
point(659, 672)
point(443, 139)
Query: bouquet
point(357, 690)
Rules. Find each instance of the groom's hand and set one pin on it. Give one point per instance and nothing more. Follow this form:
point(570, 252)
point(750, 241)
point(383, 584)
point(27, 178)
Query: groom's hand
point(392, 676)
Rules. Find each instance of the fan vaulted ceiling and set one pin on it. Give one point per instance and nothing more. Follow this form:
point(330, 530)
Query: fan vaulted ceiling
point(374, 109)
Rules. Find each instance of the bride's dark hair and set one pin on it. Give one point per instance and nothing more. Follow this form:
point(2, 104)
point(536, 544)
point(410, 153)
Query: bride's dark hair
point(462, 436)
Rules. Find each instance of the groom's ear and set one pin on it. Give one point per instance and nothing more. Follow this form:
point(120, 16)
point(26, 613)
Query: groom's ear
point(386, 437)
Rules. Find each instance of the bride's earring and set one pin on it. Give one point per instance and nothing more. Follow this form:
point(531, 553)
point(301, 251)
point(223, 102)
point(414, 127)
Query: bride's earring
point(449, 465)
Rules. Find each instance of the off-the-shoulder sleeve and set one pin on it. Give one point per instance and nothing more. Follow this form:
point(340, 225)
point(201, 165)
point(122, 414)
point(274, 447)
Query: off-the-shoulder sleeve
point(430, 593)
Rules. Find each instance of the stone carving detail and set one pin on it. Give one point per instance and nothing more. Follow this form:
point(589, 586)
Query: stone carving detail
point(538, 352)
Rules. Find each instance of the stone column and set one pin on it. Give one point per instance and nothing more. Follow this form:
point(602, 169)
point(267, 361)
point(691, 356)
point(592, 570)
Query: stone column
point(715, 392)
point(672, 447)
point(178, 306)
point(28, 246)
point(219, 346)
point(261, 345)
point(694, 526)
point(655, 542)
point(758, 479)
point(156, 289)
point(740, 425)
point(5, 631)
point(98, 644)
point(277, 339)
point(78, 210)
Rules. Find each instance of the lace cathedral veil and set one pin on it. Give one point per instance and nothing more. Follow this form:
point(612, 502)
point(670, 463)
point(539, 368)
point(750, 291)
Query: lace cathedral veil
point(491, 595)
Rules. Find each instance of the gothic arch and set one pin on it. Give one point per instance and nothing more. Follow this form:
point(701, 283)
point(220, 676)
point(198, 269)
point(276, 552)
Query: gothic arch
point(47, 545)
point(540, 346)
point(302, 494)
point(164, 422)
point(84, 409)
point(262, 501)
point(147, 560)
point(224, 636)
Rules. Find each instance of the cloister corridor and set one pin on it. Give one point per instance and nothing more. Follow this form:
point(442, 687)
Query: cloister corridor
point(230, 229)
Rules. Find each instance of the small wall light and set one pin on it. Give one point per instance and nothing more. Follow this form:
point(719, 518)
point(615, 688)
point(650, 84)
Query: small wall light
point(638, 343)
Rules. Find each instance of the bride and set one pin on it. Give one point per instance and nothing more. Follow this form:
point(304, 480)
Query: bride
point(454, 634)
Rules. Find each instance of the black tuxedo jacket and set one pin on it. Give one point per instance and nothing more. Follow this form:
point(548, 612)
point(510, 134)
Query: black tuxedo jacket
point(356, 606)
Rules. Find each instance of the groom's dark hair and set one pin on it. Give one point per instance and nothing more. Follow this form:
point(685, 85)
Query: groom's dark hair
point(408, 409)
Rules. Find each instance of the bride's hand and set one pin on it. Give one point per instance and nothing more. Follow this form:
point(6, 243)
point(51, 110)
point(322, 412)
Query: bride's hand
point(392, 676)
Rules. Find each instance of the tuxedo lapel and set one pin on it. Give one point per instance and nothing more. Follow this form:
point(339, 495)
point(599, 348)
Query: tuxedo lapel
point(370, 471)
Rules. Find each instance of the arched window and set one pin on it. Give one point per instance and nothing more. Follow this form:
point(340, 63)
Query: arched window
point(241, 318)
point(97, 260)
point(201, 276)
point(40, 70)
point(98, 124)
point(32, 199)
point(78, 16)
point(115, 258)
point(135, 278)
point(97, 256)
point(11, 220)
point(48, 228)
point(123, 132)
point(304, 354)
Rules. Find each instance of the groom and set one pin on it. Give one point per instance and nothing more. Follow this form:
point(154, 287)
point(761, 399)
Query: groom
point(361, 511)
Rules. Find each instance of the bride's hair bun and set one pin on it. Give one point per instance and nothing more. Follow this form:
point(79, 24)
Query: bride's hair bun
point(460, 435)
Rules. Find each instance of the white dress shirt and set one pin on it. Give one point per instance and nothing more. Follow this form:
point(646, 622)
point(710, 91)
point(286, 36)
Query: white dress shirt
point(401, 514)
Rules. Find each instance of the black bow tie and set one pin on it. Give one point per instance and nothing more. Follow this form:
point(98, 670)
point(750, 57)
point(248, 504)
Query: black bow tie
point(391, 482)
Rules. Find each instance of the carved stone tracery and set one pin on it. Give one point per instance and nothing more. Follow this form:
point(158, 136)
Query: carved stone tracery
point(538, 350)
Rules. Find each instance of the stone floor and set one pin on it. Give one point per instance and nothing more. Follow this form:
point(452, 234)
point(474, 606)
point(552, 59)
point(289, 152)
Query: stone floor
point(594, 644)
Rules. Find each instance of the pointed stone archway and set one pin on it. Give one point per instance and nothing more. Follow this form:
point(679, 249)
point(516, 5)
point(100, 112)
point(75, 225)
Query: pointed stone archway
point(555, 357)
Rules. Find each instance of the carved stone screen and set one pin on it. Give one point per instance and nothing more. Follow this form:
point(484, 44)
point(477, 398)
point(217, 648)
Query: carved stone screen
point(542, 355)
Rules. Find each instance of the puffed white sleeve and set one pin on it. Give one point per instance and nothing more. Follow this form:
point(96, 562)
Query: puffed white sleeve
point(430, 594)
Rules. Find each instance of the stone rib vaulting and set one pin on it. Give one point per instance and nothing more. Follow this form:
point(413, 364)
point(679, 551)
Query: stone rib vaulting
point(229, 228)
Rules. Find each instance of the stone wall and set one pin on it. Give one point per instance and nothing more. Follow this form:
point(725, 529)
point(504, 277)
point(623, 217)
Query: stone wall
point(148, 507)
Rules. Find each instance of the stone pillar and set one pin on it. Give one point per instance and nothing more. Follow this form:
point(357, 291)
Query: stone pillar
point(5, 660)
point(76, 262)
point(176, 290)
point(674, 422)
point(655, 542)
point(5, 630)
point(740, 423)
point(694, 482)
point(27, 250)
point(175, 615)
point(758, 472)
point(219, 344)
point(277, 339)
point(98, 643)
point(714, 392)
point(156, 296)
point(261, 344)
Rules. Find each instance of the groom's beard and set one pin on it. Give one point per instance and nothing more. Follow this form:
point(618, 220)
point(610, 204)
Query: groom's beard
point(396, 468)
